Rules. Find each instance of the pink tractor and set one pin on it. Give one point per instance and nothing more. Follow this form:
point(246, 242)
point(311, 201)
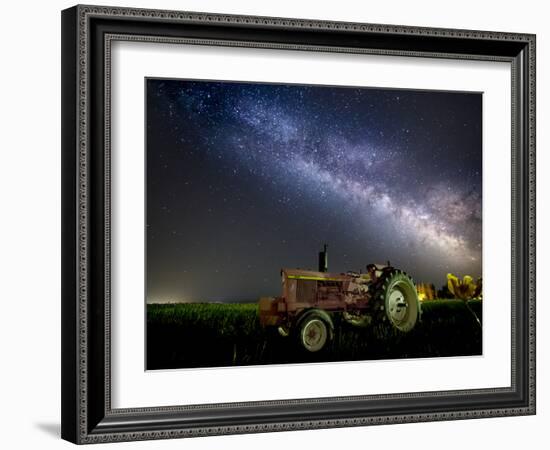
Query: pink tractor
point(310, 300)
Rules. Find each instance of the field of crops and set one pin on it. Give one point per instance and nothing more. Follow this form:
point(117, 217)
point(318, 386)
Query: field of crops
point(213, 335)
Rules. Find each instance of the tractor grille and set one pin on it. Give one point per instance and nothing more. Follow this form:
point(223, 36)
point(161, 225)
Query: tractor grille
point(305, 290)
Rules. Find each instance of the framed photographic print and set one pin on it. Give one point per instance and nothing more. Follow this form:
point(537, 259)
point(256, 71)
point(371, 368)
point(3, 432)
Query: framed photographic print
point(334, 219)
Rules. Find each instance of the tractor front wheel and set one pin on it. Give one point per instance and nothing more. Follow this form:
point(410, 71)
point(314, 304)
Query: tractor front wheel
point(314, 332)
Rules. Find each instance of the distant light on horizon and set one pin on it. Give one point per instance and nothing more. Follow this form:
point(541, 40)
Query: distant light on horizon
point(166, 300)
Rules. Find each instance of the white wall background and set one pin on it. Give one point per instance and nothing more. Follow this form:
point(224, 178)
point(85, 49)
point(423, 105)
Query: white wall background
point(30, 225)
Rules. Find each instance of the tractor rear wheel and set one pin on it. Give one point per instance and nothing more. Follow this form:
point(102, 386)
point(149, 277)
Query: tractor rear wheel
point(398, 298)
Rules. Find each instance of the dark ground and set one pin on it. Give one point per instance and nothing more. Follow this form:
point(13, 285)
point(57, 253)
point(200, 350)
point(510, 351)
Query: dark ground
point(214, 335)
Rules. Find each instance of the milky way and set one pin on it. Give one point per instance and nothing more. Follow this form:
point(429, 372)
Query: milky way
point(243, 179)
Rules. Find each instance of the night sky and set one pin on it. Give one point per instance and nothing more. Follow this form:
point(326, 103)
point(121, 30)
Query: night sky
point(244, 179)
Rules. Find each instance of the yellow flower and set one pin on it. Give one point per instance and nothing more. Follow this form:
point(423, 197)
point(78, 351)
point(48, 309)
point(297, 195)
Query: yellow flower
point(464, 289)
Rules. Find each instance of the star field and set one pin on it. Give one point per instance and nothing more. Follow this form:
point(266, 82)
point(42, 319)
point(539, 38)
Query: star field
point(244, 179)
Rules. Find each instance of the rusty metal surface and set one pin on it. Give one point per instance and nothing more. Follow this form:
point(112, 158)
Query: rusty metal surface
point(304, 289)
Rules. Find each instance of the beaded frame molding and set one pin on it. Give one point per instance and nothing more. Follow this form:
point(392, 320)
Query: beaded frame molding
point(87, 35)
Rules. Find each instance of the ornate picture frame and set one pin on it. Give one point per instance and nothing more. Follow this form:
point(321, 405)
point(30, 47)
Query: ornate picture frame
point(88, 415)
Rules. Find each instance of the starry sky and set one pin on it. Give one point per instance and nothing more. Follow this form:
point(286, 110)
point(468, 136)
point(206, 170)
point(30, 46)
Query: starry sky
point(244, 179)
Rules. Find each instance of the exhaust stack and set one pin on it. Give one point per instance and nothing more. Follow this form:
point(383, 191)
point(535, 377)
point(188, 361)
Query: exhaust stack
point(323, 260)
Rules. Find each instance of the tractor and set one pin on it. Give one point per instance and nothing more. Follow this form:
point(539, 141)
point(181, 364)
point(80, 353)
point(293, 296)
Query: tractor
point(311, 300)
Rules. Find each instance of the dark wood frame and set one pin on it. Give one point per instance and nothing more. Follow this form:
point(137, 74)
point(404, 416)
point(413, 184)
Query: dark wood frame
point(87, 32)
